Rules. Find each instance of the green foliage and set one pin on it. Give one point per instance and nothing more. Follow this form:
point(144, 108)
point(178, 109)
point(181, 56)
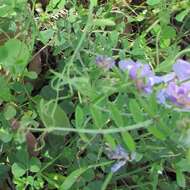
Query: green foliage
point(57, 126)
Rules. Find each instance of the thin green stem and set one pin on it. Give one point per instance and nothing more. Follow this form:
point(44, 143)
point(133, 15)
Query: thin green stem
point(182, 53)
point(106, 182)
point(144, 124)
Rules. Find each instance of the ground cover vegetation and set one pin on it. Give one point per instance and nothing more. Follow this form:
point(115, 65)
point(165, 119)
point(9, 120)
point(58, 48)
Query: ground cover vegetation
point(95, 95)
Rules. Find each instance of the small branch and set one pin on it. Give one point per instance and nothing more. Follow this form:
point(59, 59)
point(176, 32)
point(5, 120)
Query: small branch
point(144, 124)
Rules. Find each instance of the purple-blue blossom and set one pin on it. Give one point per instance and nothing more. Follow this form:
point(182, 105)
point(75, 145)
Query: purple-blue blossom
point(175, 94)
point(182, 69)
point(118, 153)
point(136, 69)
point(177, 90)
point(118, 165)
point(121, 156)
point(105, 62)
point(142, 74)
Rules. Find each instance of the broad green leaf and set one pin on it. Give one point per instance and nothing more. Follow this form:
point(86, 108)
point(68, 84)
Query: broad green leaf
point(5, 94)
point(153, 2)
point(46, 35)
point(79, 120)
point(79, 117)
point(71, 179)
point(31, 74)
point(54, 179)
point(17, 56)
point(6, 11)
point(52, 115)
point(146, 107)
point(104, 22)
point(180, 178)
point(9, 112)
point(167, 32)
point(83, 85)
point(53, 4)
point(18, 170)
point(3, 53)
point(157, 133)
point(94, 2)
point(110, 140)
point(116, 115)
point(135, 110)
point(128, 139)
point(180, 16)
point(35, 165)
point(183, 165)
point(97, 116)
point(5, 135)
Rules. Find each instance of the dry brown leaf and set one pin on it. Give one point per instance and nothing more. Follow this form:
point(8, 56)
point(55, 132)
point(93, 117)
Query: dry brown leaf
point(32, 144)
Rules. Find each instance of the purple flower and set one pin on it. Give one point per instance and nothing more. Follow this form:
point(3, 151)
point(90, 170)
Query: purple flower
point(176, 94)
point(121, 156)
point(105, 62)
point(166, 78)
point(126, 64)
point(118, 165)
point(182, 69)
point(181, 72)
point(161, 96)
point(135, 69)
point(141, 73)
point(118, 153)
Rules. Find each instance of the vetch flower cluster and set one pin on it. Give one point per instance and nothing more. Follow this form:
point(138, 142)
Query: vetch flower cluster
point(105, 62)
point(121, 156)
point(141, 74)
point(177, 87)
point(177, 90)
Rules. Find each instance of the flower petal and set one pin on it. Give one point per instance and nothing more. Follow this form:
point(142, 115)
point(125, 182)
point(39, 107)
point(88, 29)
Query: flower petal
point(118, 165)
point(182, 69)
point(105, 62)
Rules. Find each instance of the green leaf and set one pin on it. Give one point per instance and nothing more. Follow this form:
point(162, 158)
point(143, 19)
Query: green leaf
point(83, 85)
point(94, 2)
point(183, 165)
point(135, 110)
point(71, 179)
point(9, 112)
point(18, 170)
point(5, 135)
point(130, 143)
point(110, 140)
point(180, 178)
point(5, 94)
point(53, 4)
point(17, 58)
point(3, 53)
point(52, 114)
point(31, 74)
point(153, 2)
point(6, 10)
point(116, 115)
point(35, 165)
point(168, 32)
point(79, 120)
point(79, 117)
point(46, 35)
point(104, 22)
point(97, 116)
point(180, 16)
point(157, 133)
